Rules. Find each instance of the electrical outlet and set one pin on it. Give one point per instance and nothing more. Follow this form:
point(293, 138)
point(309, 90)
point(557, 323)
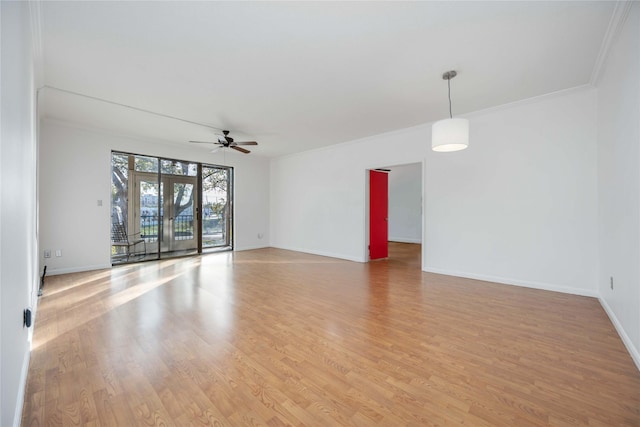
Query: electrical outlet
point(611, 282)
point(47, 253)
point(58, 252)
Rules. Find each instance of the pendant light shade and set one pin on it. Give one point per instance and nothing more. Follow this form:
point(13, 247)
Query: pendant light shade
point(450, 134)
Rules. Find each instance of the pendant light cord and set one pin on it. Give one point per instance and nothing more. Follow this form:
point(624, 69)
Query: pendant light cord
point(449, 85)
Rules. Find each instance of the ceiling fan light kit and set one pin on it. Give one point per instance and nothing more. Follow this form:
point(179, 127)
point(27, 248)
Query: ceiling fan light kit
point(450, 134)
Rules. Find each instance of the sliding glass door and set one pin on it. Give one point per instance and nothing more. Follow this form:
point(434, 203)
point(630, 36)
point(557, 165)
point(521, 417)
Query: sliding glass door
point(161, 205)
point(216, 207)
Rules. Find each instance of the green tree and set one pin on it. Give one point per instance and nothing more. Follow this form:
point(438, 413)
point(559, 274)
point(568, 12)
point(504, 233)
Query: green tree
point(119, 186)
point(214, 179)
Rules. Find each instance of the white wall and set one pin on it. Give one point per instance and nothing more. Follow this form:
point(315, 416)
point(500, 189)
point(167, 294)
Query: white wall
point(405, 203)
point(75, 174)
point(619, 182)
point(518, 206)
point(18, 247)
point(319, 198)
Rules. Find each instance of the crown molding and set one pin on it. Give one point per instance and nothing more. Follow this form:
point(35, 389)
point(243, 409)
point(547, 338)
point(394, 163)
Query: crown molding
point(618, 18)
point(532, 100)
point(109, 132)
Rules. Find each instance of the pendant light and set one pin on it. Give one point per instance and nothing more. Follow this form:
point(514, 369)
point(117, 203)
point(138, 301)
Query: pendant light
point(450, 134)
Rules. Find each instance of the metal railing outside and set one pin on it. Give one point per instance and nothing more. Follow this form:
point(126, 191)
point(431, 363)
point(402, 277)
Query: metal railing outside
point(151, 226)
point(213, 229)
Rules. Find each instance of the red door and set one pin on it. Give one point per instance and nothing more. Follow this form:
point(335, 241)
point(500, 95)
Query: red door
point(378, 214)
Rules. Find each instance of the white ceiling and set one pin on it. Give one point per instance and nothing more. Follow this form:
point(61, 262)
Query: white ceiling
point(300, 75)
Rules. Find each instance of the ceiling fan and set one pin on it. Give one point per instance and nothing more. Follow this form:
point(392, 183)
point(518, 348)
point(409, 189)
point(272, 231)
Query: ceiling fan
point(225, 141)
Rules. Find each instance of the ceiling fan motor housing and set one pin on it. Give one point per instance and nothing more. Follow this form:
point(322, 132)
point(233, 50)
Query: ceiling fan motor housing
point(226, 139)
point(228, 142)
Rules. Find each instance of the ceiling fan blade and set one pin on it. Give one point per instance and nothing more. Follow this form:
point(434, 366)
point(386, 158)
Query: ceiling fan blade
point(246, 143)
point(242, 150)
point(215, 150)
point(204, 142)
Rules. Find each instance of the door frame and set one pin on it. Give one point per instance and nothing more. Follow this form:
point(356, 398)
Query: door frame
point(134, 214)
point(367, 216)
point(165, 241)
point(169, 242)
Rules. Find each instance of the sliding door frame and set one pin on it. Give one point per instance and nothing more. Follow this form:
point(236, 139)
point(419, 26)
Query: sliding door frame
point(133, 220)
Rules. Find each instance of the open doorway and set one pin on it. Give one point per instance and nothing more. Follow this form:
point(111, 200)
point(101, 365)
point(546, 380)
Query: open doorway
point(403, 221)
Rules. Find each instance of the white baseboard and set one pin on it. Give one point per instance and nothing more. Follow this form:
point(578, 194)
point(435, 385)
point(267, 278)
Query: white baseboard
point(249, 248)
point(514, 282)
point(633, 351)
point(635, 354)
point(322, 253)
point(404, 240)
point(17, 416)
point(57, 271)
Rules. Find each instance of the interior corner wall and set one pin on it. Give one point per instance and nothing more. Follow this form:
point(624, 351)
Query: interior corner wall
point(319, 197)
point(405, 203)
point(75, 172)
point(619, 182)
point(18, 242)
point(518, 206)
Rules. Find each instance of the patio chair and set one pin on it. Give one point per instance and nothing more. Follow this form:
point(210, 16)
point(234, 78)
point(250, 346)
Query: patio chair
point(120, 238)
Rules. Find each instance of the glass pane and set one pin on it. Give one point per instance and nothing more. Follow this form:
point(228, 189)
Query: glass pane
point(150, 210)
point(183, 211)
point(215, 206)
point(119, 198)
point(176, 167)
point(146, 164)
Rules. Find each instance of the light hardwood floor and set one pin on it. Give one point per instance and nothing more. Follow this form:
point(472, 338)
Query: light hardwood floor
point(274, 338)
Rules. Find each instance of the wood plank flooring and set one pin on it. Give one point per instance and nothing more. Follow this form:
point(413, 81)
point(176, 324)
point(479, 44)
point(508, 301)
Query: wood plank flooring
point(277, 338)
